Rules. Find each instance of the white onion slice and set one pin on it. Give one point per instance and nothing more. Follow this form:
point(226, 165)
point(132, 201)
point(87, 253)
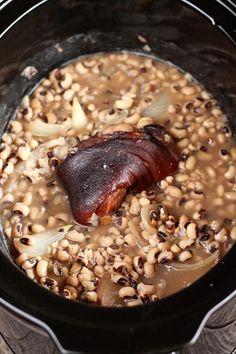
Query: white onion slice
point(39, 128)
point(145, 217)
point(137, 234)
point(108, 292)
point(79, 119)
point(42, 241)
point(211, 260)
point(159, 106)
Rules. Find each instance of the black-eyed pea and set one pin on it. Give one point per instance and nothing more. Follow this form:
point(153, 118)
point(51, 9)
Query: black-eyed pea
point(23, 152)
point(174, 192)
point(21, 208)
point(144, 201)
point(124, 223)
point(192, 231)
point(42, 268)
point(164, 246)
point(5, 151)
point(163, 184)
point(138, 264)
point(65, 217)
point(175, 249)
point(114, 230)
point(149, 270)
point(231, 172)
point(113, 249)
point(190, 163)
point(19, 260)
point(99, 270)
point(119, 279)
point(170, 224)
point(89, 285)
point(145, 288)
point(72, 280)
point(37, 228)
point(75, 268)
point(233, 233)
point(87, 271)
point(28, 240)
point(134, 302)
point(62, 256)
point(188, 90)
point(51, 221)
point(181, 177)
point(129, 239)
point(123, 127)
point(27, 199)
point(30, 273)
point(217, 225)
point(7, 198)
point(183, 244)
point(122, 267)
point(67, 81)
point(105, 241)
point(70, 292)
point(92, 296)
point(162, 212)
point(134, 206)
point(126, 258)
point(184, 256)
point(152, 255)
point(230, 196)
point(164, 257)
point(213, 247)
point(81, 69)
point(63, 244)
point(29, 263)
point(16, 127)
point(124, 103)
point(33, 213)
point(132, 119)
point(221, 236)
point(17, 230)
point(75, 236)
point(126, 292)
point(9, 168)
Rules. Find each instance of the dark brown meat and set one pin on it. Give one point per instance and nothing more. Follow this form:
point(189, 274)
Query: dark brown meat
point(105, 166)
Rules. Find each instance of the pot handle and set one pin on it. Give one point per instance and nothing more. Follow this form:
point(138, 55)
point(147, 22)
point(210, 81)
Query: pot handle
point(12, 11)
point(224, 20)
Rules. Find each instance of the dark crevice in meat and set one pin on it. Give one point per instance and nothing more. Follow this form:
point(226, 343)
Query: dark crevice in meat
point(105, 166)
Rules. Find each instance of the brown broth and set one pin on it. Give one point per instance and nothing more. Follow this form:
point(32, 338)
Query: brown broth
point(202, 190)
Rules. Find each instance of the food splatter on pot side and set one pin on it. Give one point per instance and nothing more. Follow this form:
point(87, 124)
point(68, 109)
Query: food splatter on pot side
point(161, 239)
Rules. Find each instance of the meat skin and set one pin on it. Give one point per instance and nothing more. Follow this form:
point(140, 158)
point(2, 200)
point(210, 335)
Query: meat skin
point(104, 167)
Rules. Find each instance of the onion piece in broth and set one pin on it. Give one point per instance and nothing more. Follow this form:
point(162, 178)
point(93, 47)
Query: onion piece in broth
point(159, 106)
point(41, 241)
point(145, 217)
point(209, 261)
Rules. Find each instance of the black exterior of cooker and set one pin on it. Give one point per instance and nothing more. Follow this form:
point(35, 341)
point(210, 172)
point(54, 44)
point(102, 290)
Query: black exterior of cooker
point(199, 36)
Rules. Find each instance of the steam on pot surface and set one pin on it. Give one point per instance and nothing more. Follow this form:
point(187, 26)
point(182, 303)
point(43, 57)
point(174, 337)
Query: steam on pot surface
point(118, 181)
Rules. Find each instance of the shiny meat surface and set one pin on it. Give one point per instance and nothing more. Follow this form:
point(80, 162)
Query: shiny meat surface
point(105, 166)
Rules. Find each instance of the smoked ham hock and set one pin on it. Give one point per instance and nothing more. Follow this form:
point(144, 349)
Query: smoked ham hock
point(98, 175)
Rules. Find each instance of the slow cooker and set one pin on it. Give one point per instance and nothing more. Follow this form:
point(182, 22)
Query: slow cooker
point(198, 36)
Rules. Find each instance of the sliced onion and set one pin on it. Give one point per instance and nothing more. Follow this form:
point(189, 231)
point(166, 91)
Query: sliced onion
point(145, 217)
point(211, 260)
point(79, 119)
point(39, 128)
point(159, 106)
point(42, 241)
point(108, 292)
point(134, 229)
